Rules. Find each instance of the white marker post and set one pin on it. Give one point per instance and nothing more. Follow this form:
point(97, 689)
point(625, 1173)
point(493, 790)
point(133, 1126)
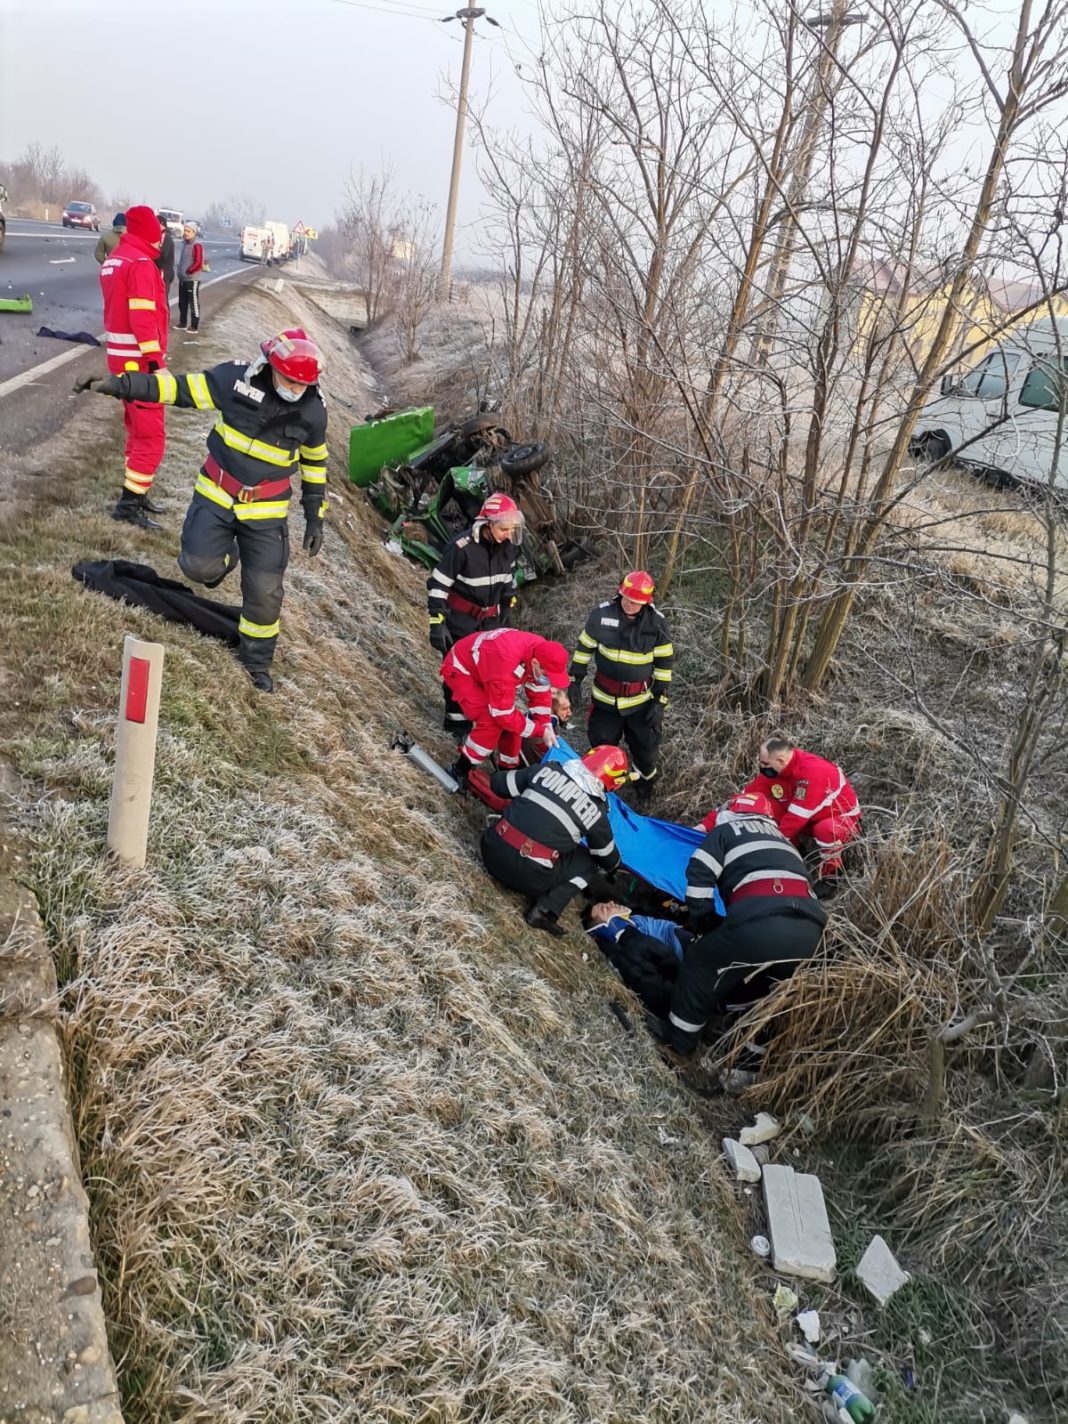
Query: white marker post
point(135, 750)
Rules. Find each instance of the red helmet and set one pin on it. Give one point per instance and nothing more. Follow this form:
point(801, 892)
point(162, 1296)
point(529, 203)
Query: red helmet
point(294, 355)
point(609, 766)
point(638, 586)
point(750, 803)
point(500, 509)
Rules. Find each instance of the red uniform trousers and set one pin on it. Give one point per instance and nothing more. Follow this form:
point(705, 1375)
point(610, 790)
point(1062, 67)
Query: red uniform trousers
point(486, 735)
point(832, 833)
point(145, 436)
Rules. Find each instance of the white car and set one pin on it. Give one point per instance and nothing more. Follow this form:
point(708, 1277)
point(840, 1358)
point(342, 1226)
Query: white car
point(1006, 412)
point(171, 219)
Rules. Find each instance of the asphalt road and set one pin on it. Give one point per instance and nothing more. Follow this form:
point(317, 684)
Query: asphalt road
point(56, 267)
point(36, 373)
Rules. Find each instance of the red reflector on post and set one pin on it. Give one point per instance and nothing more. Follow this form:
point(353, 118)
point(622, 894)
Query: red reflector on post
point(137, 690)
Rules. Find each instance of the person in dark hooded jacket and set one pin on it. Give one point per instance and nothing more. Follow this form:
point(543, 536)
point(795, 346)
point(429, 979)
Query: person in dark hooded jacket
point(108, 241)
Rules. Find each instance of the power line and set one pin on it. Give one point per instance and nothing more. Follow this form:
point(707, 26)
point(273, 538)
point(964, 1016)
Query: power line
point(391, 8)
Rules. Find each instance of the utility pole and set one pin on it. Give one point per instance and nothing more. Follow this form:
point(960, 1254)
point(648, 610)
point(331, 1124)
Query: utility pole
point(823, 84)
point(467, 18)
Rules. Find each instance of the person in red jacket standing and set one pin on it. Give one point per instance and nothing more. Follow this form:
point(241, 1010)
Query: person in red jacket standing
point(809, 797)
point(484, 673)
point(190, 271)
point(135, 334)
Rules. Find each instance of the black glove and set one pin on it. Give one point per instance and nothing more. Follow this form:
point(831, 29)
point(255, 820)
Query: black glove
point(656, 716)
point(574, 695)
point(508, 608)
point(100, 386)
point(313, 532)
point(440, 637)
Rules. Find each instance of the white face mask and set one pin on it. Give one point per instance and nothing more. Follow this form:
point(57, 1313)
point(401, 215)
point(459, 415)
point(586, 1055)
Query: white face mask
point(288, 395)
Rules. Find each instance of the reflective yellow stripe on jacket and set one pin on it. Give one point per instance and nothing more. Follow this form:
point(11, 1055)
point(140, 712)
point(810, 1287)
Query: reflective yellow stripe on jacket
point(313, 464)
point(167, 387)
point(258, 449)
point(663, 650)
point(584, 652)
point(622, 655)
point(198, 388)
point(624, 704)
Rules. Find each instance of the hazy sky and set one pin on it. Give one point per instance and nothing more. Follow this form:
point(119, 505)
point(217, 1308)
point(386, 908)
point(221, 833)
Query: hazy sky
point(183, 103)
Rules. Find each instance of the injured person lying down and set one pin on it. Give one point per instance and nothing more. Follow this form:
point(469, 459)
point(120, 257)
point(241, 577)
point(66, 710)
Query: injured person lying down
point(697, 925)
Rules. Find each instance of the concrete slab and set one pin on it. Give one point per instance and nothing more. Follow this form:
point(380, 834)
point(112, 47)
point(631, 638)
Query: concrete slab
point(746, 1167)
point(801, 1241)
point(879, 1272)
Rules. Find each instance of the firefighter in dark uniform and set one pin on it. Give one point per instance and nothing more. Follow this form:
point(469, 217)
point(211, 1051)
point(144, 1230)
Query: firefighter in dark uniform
point(473, 585)
point(630, 647)
point(773, 920)
point(537, 845)
point(271, 421)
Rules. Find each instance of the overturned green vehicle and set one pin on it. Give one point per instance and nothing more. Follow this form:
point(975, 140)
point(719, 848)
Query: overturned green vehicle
point(429, 484)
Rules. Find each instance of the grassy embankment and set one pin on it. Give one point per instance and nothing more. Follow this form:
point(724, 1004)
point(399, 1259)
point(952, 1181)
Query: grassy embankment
point(923, 699)
point(358, 1145)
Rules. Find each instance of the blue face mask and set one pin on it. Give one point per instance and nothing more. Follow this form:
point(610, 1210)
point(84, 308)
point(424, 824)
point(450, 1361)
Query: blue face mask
point(288, 395)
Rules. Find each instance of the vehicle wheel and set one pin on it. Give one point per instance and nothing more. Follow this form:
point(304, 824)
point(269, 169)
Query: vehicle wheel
point(931, 446)
point(523, 460)
point(478, 424)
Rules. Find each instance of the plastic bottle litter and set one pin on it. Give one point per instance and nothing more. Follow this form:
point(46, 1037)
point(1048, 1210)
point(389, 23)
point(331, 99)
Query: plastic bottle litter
point(851, 1401)
point(860, 1373)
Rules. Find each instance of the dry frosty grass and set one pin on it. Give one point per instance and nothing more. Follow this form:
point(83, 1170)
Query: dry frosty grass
point(359, 1147)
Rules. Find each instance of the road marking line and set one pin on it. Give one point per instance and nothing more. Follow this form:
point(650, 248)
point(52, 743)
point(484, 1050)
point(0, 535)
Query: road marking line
point(59, 261)
point(29, 378)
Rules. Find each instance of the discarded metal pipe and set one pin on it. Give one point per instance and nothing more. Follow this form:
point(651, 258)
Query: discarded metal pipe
point(402, 742)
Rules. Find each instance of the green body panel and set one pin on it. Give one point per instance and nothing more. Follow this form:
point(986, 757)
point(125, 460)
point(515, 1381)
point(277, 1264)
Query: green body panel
point(469, 478)
point(380, 443)
point(16, 304)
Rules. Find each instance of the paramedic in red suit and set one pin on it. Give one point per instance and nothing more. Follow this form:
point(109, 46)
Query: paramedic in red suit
point(135, 332)
point(809, 797)
point(484, 672)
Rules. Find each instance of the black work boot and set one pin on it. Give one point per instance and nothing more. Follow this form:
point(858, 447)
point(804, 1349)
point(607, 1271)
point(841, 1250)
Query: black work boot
point(460, 770)
point(826, 887)
point(540, 919)
point(670, 1037)
point(262, 680)
point(131, 510)
point(153, 506)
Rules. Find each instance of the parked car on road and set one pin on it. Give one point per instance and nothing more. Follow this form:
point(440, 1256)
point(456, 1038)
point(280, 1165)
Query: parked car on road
point(254, 244)
point(81, 215)
point(1004, 415)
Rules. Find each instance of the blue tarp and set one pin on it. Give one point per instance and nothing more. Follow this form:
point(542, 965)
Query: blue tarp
point(658, 851)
